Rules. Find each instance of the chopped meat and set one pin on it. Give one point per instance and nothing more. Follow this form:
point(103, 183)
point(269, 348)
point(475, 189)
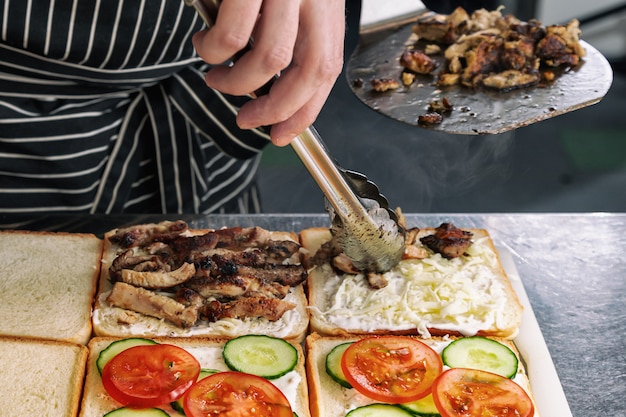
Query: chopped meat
point(376, 280)
point(481, 60)
point(498, 51)
point(144, 234)
point(152, 304)
point(430, 118)
point(158, 279)
point(448, 240)
point(407, 77)
point(442, 28)
point(343, 263)
point(136, 262)
point(510, 79)
point(440, 106)
point(249, 307)
point(418, 62)
point(384, 84)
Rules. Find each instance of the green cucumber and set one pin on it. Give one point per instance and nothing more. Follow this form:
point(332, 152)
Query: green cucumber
point(333, 364)
point(424, 407)
point(379, 410)
point(481, 353)
point(265, 356)
point(178, 404)
point(137, 412)
point(118, 346)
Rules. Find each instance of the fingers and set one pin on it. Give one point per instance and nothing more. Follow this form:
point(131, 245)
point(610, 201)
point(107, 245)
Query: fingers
point(274, 39)
point(302, 40)
point(230, 33)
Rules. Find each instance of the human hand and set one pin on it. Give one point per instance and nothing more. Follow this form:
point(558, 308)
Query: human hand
point(300, 39)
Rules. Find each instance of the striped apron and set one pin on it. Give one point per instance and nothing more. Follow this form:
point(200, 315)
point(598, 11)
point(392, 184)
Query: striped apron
point(104, 109)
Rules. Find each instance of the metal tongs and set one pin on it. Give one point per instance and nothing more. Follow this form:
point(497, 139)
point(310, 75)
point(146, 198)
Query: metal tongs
point(362, 222)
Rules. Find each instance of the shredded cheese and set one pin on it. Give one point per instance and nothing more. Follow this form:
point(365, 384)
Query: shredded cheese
point(462, 294)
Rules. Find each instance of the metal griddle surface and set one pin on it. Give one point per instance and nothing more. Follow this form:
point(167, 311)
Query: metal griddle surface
point(475, 111)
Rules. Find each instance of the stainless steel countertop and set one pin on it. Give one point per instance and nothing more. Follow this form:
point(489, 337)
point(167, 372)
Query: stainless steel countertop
point(573, 268)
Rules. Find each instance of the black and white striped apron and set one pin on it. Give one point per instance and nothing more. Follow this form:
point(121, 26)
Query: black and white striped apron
point(104, 109)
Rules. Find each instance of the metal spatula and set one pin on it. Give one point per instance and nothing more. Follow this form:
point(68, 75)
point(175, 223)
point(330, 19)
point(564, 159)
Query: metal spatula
point(362, 222)
point(477, 111)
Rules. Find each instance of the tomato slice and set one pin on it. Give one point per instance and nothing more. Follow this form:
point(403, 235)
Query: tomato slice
point(235, 394)
point(391, 369)
point(150, 375)
point(461, 392)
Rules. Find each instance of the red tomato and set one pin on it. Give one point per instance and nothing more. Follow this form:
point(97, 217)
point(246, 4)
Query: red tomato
point(235, 394)
point(460, 392)
point(391, 369)
point(150, 375)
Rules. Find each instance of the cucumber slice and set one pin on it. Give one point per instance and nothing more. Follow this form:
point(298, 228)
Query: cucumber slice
point(424, 407)
point(137, 412)
point(333, 364)
point(178, 404)
point(264, 356)
point(118, 346)
point(379, 410)
point(481, 353)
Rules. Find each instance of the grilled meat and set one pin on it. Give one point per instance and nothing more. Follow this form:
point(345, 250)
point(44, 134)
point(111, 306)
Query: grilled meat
point(144, 234)
point(440, 106)
point(510, 79)
point(230, 286)
point(384, 84)
point(152, 304)
point(376, 280)
point(488, 49)
point(442, 28)
point(448, 240)
point(418, 62)
point(158, 279)
point(249, 307)
point(191, 271)
point(140, 262)
point(430, 118)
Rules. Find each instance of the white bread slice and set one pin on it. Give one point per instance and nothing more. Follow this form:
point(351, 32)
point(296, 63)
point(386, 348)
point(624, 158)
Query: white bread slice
point(96, 402)
point(433, 296)
point(329, 399)
point(47, 284)
point(41, 377)
point(113, 321)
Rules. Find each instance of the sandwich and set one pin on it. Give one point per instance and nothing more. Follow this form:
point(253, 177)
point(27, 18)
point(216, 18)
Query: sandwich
point(41, 377)
point(48, 281)
point(166, 279)
point(405, 376)
point(227, 374)
point(449, 282)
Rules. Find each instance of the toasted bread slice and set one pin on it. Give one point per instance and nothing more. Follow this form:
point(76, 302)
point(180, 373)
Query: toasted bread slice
point(467, 295)
point(109, 320)
point(96, 402)
point(48, 284)
point(41, 377)
point(330, 399)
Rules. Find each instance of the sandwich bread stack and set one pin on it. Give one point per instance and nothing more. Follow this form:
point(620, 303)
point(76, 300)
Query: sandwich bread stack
point(41, 377)
point(47, 284)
